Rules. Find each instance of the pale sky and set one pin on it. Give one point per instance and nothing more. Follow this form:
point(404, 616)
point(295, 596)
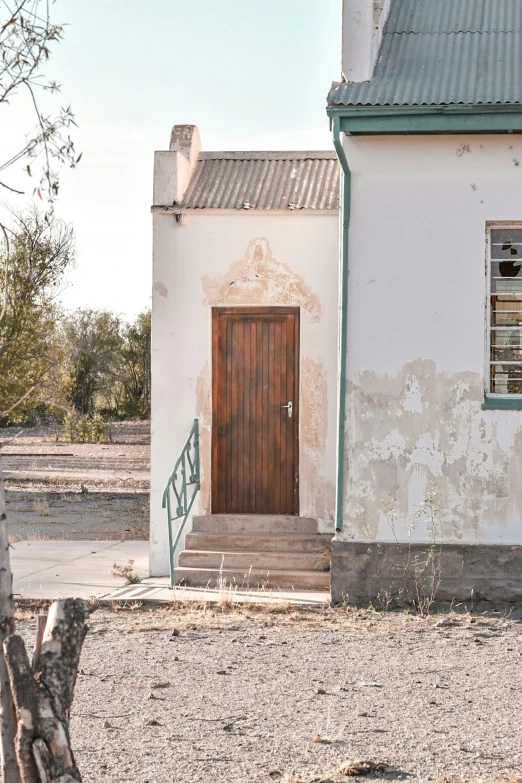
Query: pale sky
point(251, 74)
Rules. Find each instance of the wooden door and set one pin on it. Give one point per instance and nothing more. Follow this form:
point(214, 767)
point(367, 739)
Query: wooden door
point(255, 371)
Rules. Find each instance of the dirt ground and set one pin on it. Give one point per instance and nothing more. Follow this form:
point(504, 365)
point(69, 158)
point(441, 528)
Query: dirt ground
point(285, 694)
point(235, 694)
point(45, 475)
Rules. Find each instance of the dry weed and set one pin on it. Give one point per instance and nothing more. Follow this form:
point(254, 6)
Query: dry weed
point(278, 607)
point(138, 532)
point(42, 507)
point(226, 591)
point(31, 535)
point(324, 560)
point(349, 769)
point(357, 768)
point(126, 572)
point(117, 606)
point(29, 607)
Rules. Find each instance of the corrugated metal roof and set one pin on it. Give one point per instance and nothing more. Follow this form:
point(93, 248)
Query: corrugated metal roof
point(438, 52)
point(264, 180)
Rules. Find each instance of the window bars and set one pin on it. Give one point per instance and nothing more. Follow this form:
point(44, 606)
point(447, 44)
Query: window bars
point(505, 312)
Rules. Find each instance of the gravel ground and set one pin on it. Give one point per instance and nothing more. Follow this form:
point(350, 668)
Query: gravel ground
point(246, 695)
point(44, 477)
point(96, 516)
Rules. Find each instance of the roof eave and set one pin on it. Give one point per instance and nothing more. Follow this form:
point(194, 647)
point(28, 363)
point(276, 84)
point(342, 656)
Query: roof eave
point(451, 118)
point(179, 209)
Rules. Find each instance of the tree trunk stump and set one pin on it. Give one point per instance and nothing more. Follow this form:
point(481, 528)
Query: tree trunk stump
point(43, 698)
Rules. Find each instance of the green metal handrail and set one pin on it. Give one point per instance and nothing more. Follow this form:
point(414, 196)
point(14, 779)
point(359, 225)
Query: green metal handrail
point(185, 474)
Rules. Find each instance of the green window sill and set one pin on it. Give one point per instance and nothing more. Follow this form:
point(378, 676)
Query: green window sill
point(502, 404)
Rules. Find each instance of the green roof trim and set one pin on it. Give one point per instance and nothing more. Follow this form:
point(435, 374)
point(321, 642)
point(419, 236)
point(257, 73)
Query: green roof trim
point(427, 119)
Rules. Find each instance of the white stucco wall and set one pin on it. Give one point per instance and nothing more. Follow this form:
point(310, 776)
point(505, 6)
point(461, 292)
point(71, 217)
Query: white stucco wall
point(416, 331)
point(231, 258)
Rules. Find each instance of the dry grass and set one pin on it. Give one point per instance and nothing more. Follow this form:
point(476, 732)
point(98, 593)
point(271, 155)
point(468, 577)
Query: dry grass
point(42, 507)
point(226, 593)
point(201, 610)
point(33, 535)
point(119, 606)
point(324, 560)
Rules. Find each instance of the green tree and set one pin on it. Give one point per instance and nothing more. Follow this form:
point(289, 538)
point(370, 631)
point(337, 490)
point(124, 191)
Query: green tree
point(134, 368)
point(107, 363)
point(41, 250)
point(92, 343)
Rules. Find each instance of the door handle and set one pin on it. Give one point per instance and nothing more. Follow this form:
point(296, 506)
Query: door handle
point(289, 407)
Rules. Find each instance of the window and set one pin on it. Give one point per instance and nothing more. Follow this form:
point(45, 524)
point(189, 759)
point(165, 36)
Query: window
point(505, 313)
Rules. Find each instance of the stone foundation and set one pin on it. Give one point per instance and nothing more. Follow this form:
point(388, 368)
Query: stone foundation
point(362, 572)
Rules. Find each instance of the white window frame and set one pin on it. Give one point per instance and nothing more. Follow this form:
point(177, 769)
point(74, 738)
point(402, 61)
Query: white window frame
point(488, 394)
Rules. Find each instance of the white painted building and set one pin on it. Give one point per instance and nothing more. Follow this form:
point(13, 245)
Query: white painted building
point(428, 131)
point(406, 436)
point(233, 233)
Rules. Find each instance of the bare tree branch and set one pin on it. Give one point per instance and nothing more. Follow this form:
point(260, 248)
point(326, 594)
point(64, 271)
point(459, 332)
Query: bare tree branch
point(25, 40)
point(5, 413)
point(13, 190)
point(5, 441)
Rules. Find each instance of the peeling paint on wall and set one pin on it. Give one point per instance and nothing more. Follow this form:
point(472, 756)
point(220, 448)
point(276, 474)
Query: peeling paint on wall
point(423, 430)
point(260, 279)
point(161, 289)
point(320, 493)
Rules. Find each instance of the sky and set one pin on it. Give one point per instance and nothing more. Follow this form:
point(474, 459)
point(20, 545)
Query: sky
point(251, 74)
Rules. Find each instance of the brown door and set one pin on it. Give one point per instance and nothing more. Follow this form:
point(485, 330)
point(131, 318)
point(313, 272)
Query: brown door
point(255, 372)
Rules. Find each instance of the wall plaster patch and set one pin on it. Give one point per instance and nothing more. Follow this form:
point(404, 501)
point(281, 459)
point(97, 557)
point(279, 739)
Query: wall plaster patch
point(422, 433)
point(259, 279)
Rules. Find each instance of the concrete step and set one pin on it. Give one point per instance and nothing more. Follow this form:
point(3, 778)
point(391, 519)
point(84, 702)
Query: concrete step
point(291, 561)
point(254, 523)
point(256, 542)
point(254, 579)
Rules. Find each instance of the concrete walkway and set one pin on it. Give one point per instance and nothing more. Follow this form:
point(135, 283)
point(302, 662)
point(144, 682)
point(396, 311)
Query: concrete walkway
point(83, 569)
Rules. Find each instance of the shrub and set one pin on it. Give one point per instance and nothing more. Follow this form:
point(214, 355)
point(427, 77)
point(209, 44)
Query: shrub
point(84, 429)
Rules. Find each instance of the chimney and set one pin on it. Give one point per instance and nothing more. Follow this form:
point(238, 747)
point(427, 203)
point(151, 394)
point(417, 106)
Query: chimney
point(363, 23)
point(172, 168)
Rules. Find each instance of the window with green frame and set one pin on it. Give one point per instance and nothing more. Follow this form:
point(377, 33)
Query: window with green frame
point(505, 312)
